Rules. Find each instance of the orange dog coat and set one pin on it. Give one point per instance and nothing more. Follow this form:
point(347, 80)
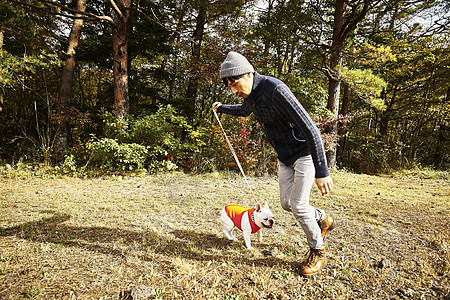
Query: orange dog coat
point(235, 213)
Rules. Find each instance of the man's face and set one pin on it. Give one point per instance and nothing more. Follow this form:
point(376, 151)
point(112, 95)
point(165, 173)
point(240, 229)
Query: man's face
point(242, 87)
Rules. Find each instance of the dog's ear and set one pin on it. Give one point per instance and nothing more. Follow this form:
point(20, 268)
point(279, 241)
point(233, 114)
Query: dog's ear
point(258, 207)
point(266, 206)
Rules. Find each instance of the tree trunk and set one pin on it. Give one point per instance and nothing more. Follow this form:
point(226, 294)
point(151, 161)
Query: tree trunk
point(342, 130)
point(341, 30)
point(197, 38)
point(386, 114)
point(442, 138)
point(65, 88)
point(334, 83)
point(120, 56)
point(1, 88)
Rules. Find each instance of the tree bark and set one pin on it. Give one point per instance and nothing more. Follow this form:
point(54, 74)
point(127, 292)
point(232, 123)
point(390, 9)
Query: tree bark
point(334, 83)
point(197, 38)
point(1, 88)
point(269, 16)
point(342, 130)
point(65, 89)
point(120, 57)
point(442, 138)
point(386, 114)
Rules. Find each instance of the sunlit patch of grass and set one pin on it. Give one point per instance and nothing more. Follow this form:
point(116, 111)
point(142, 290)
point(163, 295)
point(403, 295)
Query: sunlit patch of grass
point(423, 173)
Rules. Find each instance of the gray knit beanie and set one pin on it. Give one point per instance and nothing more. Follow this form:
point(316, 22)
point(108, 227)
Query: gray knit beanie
point(234, 65)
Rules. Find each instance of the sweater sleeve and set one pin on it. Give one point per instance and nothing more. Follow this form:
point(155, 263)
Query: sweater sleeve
point(285, 100)
point(241, 110)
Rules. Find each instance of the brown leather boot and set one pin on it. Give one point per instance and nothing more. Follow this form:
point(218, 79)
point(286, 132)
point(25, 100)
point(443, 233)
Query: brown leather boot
point(315, 261)
point(326, 224)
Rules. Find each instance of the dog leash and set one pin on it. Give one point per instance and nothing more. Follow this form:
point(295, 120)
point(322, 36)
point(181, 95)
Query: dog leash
point(235, 157)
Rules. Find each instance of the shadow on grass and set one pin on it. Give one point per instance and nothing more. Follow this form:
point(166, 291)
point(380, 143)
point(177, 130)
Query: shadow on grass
point(187, 244)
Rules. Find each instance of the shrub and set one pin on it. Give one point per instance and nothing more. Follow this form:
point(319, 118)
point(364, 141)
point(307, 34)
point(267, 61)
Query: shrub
point(160, 141)
point(109, 155)
point(164, 141)
point(69, 165)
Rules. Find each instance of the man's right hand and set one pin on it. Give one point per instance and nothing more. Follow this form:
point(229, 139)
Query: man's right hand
point(216, 105)
point(324, 184)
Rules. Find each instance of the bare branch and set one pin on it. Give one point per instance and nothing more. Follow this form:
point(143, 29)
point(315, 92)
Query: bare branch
point(117, 10)
point(66, 9)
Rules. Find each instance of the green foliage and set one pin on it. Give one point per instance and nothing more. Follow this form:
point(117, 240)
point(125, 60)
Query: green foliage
point(107, 154)
point(289, 40)
point(375, 56)
point(161, 129)
point(417, 99)
point(160, 141)
point(16, 70)
point(27, 65)
point(22, 52)
point(366, 85)
point(69, 165)
point(165, 133)
point(310, 93)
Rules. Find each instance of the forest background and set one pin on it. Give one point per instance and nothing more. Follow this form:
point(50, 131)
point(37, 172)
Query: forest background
point(125, 85)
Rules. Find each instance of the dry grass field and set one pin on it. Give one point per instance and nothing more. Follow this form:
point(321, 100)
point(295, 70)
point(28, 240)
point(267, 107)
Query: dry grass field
point(160, 237)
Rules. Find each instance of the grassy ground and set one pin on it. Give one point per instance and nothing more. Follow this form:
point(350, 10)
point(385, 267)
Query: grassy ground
point(160, 237)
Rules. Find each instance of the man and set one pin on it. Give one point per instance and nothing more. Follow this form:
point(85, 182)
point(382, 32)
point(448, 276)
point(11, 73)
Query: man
point(297, 141)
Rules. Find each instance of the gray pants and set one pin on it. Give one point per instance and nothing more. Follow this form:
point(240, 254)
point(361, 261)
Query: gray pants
point(295, 186)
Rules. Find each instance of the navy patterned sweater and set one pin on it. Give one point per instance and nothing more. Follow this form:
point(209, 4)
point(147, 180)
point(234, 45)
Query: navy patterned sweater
point(287, 125)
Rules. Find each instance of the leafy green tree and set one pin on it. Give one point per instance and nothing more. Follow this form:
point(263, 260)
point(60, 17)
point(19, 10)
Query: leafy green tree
point(205, 13)
point(411, 57)
point(311, 37)
point(416, 98)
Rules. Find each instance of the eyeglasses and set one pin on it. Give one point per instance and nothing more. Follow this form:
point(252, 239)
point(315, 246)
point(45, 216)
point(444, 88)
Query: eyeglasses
point(230, 80)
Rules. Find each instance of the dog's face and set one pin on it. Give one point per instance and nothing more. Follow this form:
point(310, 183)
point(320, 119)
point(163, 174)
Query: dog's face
point(264, 216)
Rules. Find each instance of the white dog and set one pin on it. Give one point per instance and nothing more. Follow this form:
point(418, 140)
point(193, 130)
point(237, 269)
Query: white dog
point(248, 220)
